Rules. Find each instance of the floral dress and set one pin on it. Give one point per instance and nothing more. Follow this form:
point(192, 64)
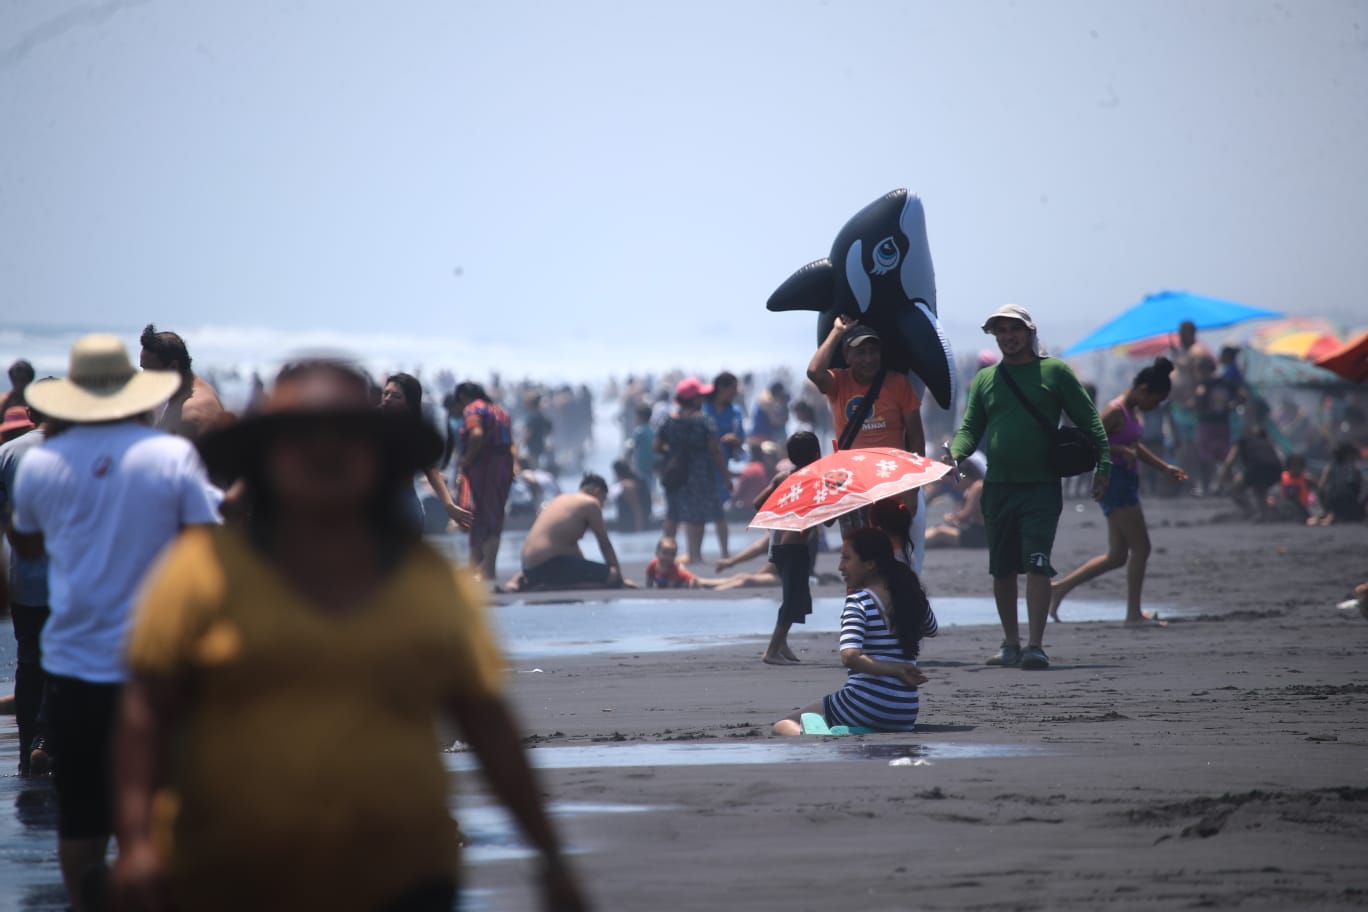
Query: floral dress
point(695, 501)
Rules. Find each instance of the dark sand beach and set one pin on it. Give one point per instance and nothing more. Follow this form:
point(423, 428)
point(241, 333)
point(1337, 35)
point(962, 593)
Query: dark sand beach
point(1220, 762)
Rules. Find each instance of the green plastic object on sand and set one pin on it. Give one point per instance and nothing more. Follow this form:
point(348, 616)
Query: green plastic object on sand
point(814, 724)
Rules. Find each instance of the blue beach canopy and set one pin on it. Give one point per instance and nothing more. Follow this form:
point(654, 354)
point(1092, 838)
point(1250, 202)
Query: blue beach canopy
point(1161, 313)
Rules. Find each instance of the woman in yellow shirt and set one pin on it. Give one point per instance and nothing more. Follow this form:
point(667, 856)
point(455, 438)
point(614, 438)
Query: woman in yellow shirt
point(277, 747)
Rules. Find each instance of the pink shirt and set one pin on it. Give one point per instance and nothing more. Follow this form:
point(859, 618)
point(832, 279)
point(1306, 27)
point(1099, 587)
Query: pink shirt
point(1128, 434)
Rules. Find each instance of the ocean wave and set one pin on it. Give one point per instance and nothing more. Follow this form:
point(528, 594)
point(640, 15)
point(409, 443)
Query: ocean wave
point(244, 350)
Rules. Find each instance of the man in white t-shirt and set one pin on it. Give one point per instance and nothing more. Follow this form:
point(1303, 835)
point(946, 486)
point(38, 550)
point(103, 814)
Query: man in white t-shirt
point(103, 497)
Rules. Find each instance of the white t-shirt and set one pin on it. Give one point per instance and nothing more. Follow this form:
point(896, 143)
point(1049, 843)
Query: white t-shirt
point(107, 499)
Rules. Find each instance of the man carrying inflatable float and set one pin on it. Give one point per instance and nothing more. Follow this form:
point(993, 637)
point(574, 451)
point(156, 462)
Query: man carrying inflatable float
point(876, 292)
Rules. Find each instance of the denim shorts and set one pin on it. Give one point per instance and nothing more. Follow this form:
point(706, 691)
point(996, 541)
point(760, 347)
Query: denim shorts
point(1123, 490)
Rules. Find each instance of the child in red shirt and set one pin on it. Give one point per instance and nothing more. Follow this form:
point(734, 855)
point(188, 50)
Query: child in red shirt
point(664, 572)
point(1296, 487)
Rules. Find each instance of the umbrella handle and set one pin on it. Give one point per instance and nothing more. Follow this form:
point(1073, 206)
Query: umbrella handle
point(955, 472)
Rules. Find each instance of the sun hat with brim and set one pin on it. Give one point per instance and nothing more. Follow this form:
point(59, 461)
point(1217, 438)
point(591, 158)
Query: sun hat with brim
point(101, 385)
point(1010, 312)
point(407, 443)
point(16, 419)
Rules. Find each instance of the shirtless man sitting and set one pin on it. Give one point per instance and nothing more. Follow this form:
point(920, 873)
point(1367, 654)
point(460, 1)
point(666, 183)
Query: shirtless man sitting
point(551, 556)
point(195, 409)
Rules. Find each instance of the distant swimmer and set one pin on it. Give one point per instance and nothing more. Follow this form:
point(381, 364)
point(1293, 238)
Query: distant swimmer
point(195, 408)
point(551, 556)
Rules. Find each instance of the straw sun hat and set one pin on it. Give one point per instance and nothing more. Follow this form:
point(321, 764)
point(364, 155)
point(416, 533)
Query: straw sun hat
point(102, 385)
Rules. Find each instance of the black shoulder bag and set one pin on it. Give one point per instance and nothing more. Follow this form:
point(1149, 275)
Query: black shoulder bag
point(1071, 449)
point(857, 420)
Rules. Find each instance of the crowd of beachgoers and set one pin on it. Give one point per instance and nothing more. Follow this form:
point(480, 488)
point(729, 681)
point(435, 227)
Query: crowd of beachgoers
point(187, 582)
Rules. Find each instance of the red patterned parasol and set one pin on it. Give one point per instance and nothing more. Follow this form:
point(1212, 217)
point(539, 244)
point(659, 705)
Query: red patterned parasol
point(843, 482)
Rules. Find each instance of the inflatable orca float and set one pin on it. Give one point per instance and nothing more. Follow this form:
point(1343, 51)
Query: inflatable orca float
point(880, 273)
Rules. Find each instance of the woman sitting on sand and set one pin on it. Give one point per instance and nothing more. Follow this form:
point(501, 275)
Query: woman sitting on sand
point(1128, 535)
point(885, 618)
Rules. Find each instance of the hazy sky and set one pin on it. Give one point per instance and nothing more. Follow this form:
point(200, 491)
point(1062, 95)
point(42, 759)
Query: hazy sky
point(627, 182)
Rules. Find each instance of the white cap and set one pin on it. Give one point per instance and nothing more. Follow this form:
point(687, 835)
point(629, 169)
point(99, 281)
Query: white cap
point(1011, 312)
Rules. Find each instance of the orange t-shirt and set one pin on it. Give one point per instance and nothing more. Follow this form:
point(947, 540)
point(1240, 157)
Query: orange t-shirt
point(1296, 488)
point(886, 425)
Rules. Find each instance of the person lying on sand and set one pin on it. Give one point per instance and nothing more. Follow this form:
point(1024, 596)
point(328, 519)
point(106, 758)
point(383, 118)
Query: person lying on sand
point(963, 526)
point(551, 556)
point(767, 575)
point(885, 618)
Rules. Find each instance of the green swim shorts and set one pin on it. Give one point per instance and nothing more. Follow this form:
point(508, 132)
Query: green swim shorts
point(1021, 520)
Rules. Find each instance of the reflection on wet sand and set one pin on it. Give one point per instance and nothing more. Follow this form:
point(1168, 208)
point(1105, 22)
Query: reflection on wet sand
point(539, 627)
point(29, 878)
point(834, 750)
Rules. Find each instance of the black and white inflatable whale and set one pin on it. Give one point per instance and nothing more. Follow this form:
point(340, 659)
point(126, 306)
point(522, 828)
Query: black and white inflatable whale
point(880, 273)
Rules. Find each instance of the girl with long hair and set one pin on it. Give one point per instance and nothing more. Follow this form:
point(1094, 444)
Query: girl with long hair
point(886, 617)
point(404, 393)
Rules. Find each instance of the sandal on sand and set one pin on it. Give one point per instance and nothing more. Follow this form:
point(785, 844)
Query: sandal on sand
point(814, 724)
point(1033, 658)
point(1009, 656)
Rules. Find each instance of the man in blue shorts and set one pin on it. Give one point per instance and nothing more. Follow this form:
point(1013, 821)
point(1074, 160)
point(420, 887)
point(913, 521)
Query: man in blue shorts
point(1022, 498)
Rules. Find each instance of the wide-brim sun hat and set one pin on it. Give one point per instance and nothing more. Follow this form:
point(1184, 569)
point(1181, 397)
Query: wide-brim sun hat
point(101, 385)
point(1011, 312)
point(303, 401)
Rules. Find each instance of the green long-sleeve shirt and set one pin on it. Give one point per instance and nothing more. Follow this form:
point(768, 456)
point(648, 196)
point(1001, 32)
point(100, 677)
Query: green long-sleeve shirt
point(1018, 447)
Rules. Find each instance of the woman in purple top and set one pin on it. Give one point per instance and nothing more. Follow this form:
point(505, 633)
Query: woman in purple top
point(1128, 536)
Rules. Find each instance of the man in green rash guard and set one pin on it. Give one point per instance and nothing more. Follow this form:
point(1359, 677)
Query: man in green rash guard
point(1022, 499)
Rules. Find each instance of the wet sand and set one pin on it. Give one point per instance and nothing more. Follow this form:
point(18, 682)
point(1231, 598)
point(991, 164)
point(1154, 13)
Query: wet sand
point(1220, 761)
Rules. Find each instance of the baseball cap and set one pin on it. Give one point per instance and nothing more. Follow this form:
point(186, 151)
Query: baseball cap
point(858, 335)
point(691, 388)
point(1011, 312)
